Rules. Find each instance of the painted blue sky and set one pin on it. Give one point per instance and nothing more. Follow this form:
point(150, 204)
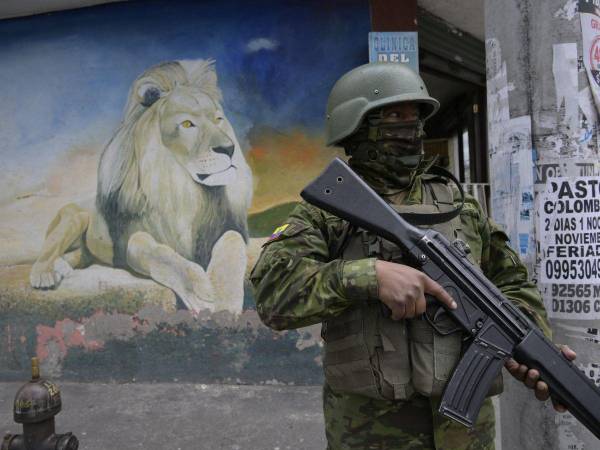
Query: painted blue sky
point(64, 77)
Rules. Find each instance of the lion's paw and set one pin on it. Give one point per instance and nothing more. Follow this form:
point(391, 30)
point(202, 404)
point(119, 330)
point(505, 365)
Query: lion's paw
point(228, 253)
point(196, 292)
point(46, 275)
point(226, 271)
point(62, 268)
point(196, 302)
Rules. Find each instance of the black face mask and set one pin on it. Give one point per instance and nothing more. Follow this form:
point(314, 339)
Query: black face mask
point(388, 155)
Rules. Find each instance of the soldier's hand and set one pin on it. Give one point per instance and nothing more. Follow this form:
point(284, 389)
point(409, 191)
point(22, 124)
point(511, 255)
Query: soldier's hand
point(403, 290)
point(531, 378)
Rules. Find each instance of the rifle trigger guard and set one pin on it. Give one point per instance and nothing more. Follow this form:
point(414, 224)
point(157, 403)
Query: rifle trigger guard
point(440, 312)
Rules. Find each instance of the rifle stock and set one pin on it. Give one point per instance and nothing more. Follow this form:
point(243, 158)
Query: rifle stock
point(498, 329)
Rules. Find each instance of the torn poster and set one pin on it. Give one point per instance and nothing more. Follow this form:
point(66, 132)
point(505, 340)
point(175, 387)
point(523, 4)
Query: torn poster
point(520, 139)
point(493, 57)
point(564, 69)
point(590, 31)
point(512, 180)
point(561, 167)
point(498, 110)
point(568, 11)
point(588, 128)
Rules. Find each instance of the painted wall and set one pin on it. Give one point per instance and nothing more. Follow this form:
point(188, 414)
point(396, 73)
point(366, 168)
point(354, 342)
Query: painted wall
point(148, 150)
point(543, 129)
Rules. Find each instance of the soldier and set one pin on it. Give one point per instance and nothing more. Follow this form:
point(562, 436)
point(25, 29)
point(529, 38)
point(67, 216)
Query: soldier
point(384, 373)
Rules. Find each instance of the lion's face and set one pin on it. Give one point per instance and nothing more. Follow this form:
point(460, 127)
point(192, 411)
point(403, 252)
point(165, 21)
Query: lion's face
point(173, 138)
point(194, 128)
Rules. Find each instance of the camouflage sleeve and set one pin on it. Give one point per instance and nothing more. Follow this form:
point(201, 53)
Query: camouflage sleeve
point(504, 268)
point(299, 281)
point(500, 263)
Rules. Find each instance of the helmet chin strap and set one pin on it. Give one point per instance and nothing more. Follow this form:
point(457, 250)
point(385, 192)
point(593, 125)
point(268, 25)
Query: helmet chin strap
point(389, 156)
point(387, 172)
point(402, 181)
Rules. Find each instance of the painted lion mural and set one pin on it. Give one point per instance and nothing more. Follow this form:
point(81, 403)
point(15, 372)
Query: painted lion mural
point(172, 198)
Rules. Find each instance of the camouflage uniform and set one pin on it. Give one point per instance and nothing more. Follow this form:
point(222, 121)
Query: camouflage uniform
point(300, 281)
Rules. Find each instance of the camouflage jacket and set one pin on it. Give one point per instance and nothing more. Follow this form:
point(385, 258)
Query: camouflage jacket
point(299, 279)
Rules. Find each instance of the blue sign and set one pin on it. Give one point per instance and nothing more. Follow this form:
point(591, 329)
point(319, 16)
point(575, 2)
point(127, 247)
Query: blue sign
point(395, 46)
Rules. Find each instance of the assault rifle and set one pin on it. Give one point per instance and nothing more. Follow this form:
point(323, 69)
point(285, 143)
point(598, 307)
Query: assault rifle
point(496, 328)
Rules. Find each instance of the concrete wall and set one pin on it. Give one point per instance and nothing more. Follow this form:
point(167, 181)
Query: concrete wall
point(542, 124)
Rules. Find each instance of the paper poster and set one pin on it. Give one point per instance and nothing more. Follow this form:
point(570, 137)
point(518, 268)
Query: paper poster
point(569, 230)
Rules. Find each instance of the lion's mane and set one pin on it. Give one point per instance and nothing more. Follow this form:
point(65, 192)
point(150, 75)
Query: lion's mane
point(131, 195)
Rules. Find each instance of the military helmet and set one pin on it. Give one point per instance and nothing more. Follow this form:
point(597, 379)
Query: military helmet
point(372, 86)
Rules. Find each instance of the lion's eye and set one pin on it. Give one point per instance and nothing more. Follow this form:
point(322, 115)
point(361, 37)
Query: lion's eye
point(187, 124)
point(219, 119)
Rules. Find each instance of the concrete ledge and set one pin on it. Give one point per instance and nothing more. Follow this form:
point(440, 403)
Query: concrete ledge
point(96, 287)
point(104, 324)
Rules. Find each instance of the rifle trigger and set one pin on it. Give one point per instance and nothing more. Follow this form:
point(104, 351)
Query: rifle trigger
point(440, 312)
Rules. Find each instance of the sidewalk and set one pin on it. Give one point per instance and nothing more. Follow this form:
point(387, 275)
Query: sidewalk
point(170, 416)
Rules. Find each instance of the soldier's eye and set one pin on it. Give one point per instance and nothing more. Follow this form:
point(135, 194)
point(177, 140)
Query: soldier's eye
point(187, 124)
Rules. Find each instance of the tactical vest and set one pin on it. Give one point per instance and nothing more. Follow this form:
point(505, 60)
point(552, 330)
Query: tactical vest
point(368, 353)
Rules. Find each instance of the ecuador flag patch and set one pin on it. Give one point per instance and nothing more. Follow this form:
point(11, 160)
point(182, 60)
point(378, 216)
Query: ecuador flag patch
point(285, 231)
point(278, 231)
